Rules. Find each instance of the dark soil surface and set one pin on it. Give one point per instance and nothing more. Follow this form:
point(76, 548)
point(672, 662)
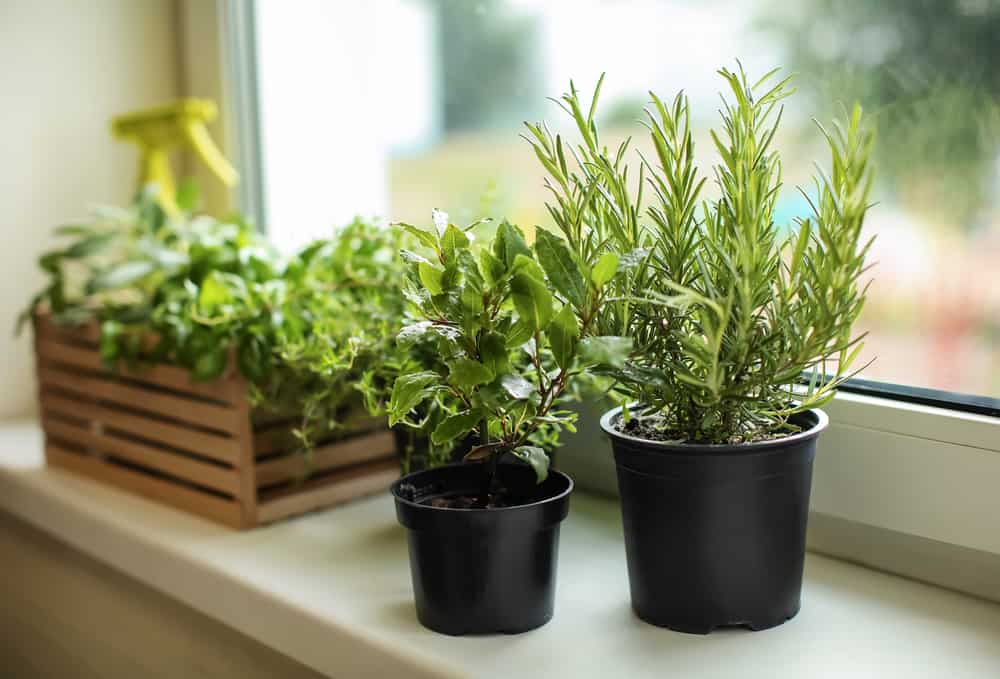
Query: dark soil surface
point(493, 501)
point(650, 429)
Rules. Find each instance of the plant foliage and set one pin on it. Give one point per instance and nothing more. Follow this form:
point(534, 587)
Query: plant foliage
point(513, 325)
point(314, 333)
point(726, 312)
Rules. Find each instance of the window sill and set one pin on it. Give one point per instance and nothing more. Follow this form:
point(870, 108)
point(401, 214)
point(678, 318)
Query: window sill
point(332, 590)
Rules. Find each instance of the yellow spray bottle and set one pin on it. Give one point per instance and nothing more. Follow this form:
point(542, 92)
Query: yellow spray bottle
point(159, 130)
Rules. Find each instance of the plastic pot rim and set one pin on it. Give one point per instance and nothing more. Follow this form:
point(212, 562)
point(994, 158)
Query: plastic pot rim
point(822, 421)
point(394, 489)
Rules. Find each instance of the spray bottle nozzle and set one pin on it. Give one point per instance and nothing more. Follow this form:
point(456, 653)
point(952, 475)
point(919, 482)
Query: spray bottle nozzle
point(159, 130)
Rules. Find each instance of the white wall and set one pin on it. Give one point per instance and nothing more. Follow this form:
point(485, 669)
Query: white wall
point(66, 66)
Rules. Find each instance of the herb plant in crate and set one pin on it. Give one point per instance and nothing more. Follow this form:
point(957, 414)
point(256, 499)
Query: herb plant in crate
point(313, 337)
point(714, 448)
point(513, 326)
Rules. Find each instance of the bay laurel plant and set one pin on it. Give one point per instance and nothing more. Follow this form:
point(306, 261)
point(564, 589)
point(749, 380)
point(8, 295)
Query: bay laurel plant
point(513, 325)
point(314, 333)
point(727, 310)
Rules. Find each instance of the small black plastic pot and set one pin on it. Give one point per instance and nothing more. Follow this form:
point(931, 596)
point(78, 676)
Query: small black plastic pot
point(715, 535)
point(482, 571)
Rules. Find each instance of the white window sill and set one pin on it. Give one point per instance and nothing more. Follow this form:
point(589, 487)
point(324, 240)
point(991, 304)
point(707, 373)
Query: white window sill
point(332, 590)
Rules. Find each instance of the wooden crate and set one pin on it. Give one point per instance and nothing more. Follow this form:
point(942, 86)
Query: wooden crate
point(191, 445)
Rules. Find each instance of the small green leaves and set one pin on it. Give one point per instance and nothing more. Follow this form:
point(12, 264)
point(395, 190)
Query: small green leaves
point(605, 351)
point(214, 293)
point(562, 270)
point(120, 276)
point(90, 245)
point(408, 392)
point(454, 426)
point(604, 270)
point(465, 373)
point(532, 300)
point(536, 458)
point(210, 364)
point(564, 334)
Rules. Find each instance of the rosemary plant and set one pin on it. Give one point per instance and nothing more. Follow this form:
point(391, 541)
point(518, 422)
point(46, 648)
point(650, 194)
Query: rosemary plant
point(727, 312)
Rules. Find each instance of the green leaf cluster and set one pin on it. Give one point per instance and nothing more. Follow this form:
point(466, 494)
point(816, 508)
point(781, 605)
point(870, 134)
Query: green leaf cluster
point(512, 324)
point(314, 332)
point(725, 310)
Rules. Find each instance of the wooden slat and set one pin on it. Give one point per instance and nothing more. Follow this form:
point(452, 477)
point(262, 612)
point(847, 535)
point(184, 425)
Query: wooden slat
point(335, 489)
point(203, 414)
point(248, 468)
point(365, 448)
point(223, 479)
point(161, 375)
point(203, 504)
point(275, 438)
point(215, 446)
point(86, 333)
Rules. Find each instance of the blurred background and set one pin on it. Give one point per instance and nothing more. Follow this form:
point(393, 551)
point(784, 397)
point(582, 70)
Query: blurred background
point(395, 107)
point(441, 87)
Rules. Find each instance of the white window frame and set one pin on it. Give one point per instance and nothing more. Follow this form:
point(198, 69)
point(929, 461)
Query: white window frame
point(926, 471)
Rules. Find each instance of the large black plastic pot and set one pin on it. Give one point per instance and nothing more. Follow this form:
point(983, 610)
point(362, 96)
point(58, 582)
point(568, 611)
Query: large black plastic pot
point(715, 535)
point(480, 571)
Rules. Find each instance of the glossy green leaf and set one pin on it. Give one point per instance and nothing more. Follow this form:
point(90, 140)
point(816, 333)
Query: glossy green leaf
point(536, 458)
point(493, 352)
point(520, 333)
point(563, 272)
point(518, 387)
point(606, 350)
point(564, 334)
point(452, 241)
point(423, 237)
point(532, 300)
point(509, 243)
point(454, 426)
point(431, 276)
point(604, 270)
point(466, 373)
point(408, 391)
point(492, 269)
point(523, 264)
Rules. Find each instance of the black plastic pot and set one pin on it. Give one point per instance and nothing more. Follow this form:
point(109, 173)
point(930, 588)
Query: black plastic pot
point(715, 535)
point(481, 571)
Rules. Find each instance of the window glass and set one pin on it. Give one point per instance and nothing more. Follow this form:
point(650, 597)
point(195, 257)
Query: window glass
point(420, 104)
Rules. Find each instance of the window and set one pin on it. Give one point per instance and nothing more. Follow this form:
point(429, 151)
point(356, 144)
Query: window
point(396, 107)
